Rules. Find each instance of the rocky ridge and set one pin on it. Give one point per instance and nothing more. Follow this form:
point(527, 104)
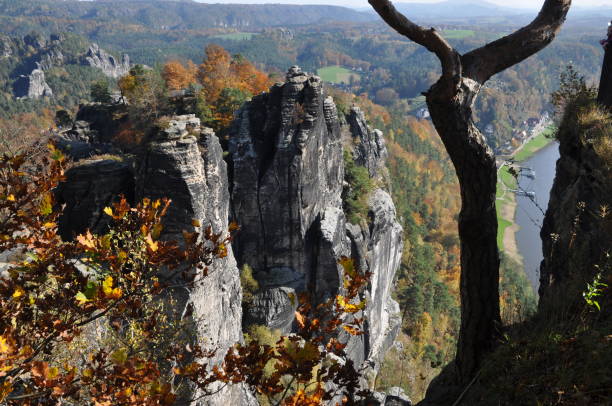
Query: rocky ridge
point(99, 58)
point(33, 56)
point(576, 229)
point(283, 186)
point(286, 151)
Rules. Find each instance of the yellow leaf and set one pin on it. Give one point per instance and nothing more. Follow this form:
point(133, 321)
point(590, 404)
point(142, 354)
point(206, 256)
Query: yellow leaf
point(107, 286)
point(119, 356)
point(348, 307)
point(46, 204)
point(52, 373)
point(10, 198)
point(300, 319)
point(88, 373)
point(122, 256)
point(196, 223)
point(108, 211)
point(49, 225)
point(81, 298)
point(18, 292)
point(153, 246)
point(5, 348)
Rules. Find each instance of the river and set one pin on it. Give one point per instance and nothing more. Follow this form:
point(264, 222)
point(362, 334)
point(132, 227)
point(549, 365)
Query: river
point(529, 214)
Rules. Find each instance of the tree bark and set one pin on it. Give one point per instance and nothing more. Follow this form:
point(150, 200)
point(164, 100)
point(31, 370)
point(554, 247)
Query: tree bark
point(450, 103)
point(477, 172)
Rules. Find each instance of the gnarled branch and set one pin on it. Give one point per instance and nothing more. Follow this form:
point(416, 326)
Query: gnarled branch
point(482, 63)
point(430, 39)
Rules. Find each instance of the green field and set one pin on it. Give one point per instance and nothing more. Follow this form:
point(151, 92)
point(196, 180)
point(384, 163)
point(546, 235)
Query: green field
point(337, 74)
point(458, 34)
point(236, 36)
point(505, 180)
point(536, 144)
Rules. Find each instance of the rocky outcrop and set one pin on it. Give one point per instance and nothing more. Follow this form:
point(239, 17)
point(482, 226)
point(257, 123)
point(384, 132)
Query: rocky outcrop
point(99, 58)
point(284, 188)
point(32, 86)
point(288, 174)
point(185, 164)
point(370, 150)
point(6, 47)
point(89, 187)
point(576, 230)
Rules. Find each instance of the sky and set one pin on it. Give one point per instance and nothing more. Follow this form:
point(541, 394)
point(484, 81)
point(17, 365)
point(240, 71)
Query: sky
point(364, 3)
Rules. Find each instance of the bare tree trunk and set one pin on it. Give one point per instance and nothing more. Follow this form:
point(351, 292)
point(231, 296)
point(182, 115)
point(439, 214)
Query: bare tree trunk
point(450, 103)
point(477, 172)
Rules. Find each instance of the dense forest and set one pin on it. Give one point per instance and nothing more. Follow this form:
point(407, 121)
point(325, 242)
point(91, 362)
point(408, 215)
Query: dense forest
point(385, 66)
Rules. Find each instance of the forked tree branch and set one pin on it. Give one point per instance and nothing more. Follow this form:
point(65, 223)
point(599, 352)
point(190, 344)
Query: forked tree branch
point(429, 38)
point(482, 63)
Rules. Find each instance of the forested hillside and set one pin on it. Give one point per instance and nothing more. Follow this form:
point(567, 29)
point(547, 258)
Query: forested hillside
point(368, 57)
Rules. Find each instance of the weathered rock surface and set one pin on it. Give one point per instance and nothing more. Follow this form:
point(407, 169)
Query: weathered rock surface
point(288, 174)
point(575, 234)
point(370, 150)
point(89, 187)
point(274, 308)
point(193, 174)
point(284, 188)
point(99, 58)
point(32, 86)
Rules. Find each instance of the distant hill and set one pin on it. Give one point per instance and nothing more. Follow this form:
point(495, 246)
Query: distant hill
point(182, 15)
point(456, 10)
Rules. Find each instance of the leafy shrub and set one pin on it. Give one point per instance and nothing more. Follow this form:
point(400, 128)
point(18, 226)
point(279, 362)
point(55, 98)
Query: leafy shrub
point(356, 194)
point(249, 284)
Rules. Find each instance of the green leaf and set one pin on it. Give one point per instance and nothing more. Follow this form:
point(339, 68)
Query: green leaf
point(81, 298)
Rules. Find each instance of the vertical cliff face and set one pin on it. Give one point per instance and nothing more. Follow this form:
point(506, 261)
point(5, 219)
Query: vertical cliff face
point(286, 152)
point(185, 164)
point(577, 227)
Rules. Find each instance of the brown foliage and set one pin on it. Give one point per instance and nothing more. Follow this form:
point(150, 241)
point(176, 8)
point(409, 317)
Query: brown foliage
point(53, 292)
point(179, 76)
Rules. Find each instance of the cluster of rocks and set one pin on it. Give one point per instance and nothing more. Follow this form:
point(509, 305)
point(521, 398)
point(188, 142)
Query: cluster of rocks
point(284, 188)
point(37, 55)
point(99, 58)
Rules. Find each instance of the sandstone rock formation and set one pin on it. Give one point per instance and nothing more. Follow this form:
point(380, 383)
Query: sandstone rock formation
point(32, 86)
point(89, 187)
point(99, 58)
point(283, 186)
point(286, 153)
point(576, 233)
point(370, 150)
point(193, 174)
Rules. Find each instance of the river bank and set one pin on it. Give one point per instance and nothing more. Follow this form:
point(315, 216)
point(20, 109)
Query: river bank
point(507, 201)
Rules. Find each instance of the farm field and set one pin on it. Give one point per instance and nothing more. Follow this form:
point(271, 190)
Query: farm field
point(237, 36)
point(337, 74)
point(458, 34)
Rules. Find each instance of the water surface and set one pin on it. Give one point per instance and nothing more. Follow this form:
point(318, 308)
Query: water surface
point(529, 214)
